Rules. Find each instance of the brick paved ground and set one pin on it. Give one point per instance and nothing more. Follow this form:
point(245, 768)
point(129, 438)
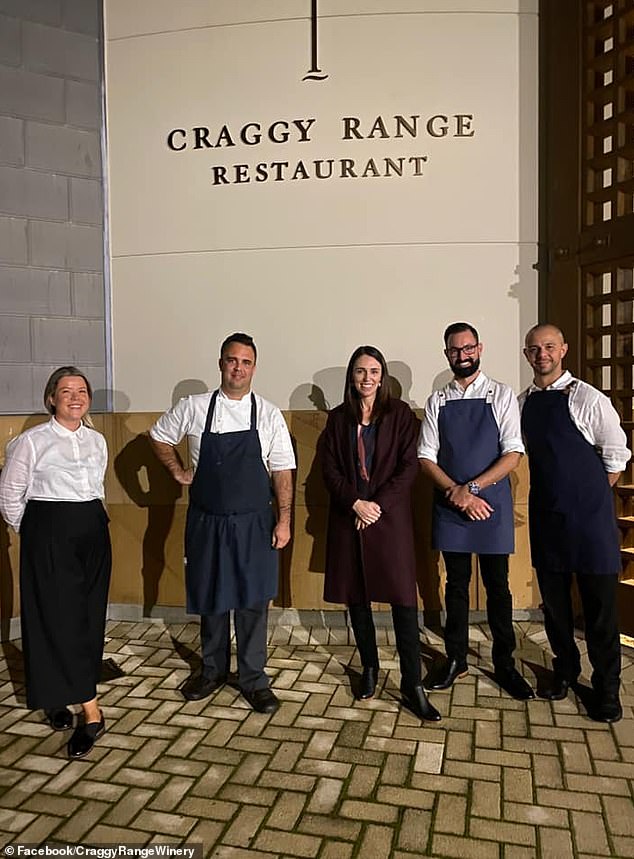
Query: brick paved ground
point(326, 776)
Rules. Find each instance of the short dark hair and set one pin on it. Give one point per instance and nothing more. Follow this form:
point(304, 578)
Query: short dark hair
point(351, 403)
point(458, 328)
point(54, 380)
point(239, 337)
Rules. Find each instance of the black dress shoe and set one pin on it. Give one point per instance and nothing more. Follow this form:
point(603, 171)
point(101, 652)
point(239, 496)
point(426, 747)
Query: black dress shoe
point(453, 670)
point(199, 686)
point(416, 700)
point(60, 718)
point(512, 682)
point(367, 687)
point(607, 708)
point(559, 689)
point(84, 738)
point(262, 700)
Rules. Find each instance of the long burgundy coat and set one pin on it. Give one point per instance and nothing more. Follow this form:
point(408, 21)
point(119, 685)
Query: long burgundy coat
point(381, 555)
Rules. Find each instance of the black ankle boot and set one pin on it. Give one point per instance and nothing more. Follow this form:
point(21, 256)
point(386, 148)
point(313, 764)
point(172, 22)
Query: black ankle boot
point(367, 687)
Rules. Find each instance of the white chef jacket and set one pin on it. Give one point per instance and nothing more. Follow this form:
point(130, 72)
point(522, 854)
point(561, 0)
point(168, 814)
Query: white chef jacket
point(187, 418)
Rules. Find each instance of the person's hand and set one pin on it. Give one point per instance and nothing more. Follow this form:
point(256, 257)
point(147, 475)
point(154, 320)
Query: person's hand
point(184, 476)
point(281, 535)
point(368, 512)
point(478, 509)
point(459, 496)
point(358, 524)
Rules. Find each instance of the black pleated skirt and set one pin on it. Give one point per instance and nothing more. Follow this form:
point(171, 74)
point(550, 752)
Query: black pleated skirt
point(65, 563)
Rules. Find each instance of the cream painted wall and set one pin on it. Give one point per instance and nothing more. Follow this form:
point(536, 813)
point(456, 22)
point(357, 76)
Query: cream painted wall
point(313, 267)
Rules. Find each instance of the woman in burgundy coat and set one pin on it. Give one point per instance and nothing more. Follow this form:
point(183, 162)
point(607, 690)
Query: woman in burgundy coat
point(368, 454)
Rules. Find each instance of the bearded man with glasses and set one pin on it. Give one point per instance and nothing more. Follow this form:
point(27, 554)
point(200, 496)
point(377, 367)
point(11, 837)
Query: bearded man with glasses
point(470, 440)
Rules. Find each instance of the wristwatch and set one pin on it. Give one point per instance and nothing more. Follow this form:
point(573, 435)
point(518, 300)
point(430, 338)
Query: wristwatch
point(474, 487)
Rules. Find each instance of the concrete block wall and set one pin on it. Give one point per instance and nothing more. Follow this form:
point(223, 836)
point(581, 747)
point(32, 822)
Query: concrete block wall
point(52, 298)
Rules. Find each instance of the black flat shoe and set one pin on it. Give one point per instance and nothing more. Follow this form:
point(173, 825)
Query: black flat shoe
point(559, 689)
point(453, 670)
point(416, 700)
point(199, 687)
point(512, 682)
point(607, 708)
point(84, 738)
point(367, 686)
point(60, 718)
point(262, 700)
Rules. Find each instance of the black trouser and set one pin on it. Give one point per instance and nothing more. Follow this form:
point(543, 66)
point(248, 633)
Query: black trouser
point(598, 598)
point(251, 628)
point(495, 577)
point(65, 562)
point(405, 619)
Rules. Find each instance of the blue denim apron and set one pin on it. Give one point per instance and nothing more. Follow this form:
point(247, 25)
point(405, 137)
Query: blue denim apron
point(230, 563)
point(469, 444)
point(572, 522)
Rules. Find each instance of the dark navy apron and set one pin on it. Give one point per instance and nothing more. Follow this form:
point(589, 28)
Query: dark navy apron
point(572, 522)
point(230, 562)
point(469, 444)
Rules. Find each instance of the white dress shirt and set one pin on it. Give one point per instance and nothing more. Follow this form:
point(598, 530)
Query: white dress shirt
point(51, 463)
point(503, 404)
point(594, 416)
point(187, 418)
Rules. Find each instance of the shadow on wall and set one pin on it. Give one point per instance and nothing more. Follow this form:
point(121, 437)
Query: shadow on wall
point(150, 486)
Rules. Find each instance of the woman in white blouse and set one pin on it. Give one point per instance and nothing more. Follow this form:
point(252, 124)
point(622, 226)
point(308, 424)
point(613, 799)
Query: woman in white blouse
point(51, 491)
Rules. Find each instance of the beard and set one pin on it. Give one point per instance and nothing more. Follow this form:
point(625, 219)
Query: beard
point(463, 372)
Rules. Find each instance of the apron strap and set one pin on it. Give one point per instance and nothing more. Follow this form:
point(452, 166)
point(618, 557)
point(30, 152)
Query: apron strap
point(210, 411)
point(442, 399)
point(254, 413)
point(489, 396)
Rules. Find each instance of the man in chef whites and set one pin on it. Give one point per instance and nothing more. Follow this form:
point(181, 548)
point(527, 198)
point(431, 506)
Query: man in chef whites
point(469, 442)
point(239, 514)
point(576, 452)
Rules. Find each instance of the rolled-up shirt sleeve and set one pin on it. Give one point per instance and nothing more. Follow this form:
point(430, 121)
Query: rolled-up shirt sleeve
point(507, 416)
point(280, 454)
point(174, 424)
point(428, 437)
point(599, 422)
point(15, 480)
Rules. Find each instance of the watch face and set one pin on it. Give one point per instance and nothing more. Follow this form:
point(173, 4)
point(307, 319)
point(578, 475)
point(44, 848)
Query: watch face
point(474, 488)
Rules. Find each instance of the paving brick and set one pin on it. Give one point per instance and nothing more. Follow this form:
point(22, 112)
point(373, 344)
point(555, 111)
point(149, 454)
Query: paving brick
point(485, 799)
point(15, 821)
point(464, 848)
point(286, 811)
point(568, 799)
point(414, 830)
point(619, 814)
point(518, 784)
point(547, 771)
point(81, 822)
point(170, 824)
point(598, 784)
point(538, 815)
point(368, 811)
point(576, 758)
point(287, 781)
point(330, 769)
point(325, 796)
point(506, 833)
point(482, 772)
point(429, 757)
point(329, 827)
point(488, 735)
point(363, 781)
point(451, 814)
point(590, 834)
point(285, 842)
point(40, 829)
point(245, 826)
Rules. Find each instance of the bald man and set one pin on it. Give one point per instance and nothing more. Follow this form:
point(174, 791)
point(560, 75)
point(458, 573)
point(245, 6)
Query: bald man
point(576, 452)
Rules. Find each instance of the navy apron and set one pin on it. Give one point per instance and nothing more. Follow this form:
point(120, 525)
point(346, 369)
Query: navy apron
point(230, 563)
point(572, 522)
point(469, 444)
